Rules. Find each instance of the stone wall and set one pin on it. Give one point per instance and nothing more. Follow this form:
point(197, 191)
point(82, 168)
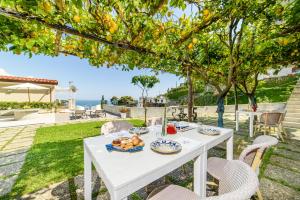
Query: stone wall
point(138, 112)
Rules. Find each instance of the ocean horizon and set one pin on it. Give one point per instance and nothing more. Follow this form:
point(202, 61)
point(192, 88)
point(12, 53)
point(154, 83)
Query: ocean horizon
point(87, 103)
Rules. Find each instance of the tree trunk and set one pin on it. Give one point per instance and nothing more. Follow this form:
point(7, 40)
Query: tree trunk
point(190, 95)
point(220, 110)
point(236, 103)
point(145, 111)
point(252, 101)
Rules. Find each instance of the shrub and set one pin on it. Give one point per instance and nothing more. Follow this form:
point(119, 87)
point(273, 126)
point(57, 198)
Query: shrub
point(124, 110)
point(25, 105)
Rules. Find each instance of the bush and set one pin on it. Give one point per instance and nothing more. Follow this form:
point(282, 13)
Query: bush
point(126, 101)
point(25, 105)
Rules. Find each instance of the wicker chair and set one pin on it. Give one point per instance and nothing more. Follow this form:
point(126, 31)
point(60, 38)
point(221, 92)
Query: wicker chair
point(252, 155)
point(115, 126)
point(271, 120)
point(237, 182)
point(154, 121)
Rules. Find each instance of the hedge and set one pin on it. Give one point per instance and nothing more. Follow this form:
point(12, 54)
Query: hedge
point(25, 105)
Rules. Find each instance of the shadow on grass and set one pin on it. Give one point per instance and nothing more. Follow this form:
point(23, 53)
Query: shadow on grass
point(48, 163)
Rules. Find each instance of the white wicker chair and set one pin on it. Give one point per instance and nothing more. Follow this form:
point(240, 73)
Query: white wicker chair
point(154, 121)
point(237, 182)
point(115, 126)
point(252, 155)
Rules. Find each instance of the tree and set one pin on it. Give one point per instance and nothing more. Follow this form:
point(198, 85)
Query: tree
point(145, 82)
point(114, 100)
point(102, 102)
point(148, 34)
point(126, 100)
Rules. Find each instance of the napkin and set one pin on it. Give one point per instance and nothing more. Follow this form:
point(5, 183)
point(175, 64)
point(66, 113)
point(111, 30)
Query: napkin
point(119, 134)
point(187, 142)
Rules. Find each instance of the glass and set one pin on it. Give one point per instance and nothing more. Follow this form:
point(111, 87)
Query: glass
point(155, 130)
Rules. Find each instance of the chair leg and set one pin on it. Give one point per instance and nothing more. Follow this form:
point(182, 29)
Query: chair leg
point(283, 130)
point(259, 195)
point(279, 134)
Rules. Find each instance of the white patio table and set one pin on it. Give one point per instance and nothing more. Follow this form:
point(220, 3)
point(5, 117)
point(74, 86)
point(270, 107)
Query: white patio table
point(251, 115)
point(124, 173)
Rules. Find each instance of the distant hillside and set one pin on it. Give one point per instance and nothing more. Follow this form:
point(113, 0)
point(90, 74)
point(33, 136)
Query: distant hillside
point(270, 90)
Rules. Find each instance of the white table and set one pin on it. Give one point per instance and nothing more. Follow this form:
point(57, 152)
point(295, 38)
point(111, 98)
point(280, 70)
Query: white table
point(251, 115)
point(125, 173)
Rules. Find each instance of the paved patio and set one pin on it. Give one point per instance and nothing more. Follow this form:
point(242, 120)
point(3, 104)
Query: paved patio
point(280, 177)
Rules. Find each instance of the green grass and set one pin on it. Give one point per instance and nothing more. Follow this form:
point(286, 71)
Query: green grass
point(56, 155)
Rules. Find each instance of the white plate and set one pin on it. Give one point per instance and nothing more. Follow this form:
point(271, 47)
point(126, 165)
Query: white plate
point(165, 146)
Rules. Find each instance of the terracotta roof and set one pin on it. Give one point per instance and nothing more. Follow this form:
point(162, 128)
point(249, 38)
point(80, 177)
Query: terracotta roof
point(28, 80)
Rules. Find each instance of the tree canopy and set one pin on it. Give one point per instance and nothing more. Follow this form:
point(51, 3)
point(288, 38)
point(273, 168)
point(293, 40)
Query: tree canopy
point(220, 42)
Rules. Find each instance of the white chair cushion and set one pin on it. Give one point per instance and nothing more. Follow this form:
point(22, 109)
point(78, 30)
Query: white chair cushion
point(174, 192)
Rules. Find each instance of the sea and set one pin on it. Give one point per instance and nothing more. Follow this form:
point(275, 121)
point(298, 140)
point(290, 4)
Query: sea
point(87, 103)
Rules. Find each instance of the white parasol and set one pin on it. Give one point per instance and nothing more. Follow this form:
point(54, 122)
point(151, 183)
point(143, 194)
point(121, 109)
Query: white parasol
point(26, 86)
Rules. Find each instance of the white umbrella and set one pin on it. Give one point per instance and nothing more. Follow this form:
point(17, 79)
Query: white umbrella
point(26, 86)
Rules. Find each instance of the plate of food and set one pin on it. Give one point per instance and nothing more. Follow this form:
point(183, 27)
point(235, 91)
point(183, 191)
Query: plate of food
point(126, 144)
point(166, 146)
point(139, 130)
point(207, 130)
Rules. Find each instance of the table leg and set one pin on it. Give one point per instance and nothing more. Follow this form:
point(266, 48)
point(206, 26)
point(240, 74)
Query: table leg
point(87, 176)
point(237, 121)
point(251, 125)
point(229, 148)
point(200, 173)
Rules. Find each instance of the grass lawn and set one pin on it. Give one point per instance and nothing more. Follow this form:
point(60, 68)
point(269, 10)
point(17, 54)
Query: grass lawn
point(56, 155)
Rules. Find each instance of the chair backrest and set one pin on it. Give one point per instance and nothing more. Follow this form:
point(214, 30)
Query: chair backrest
point(154, 121)
point(252, 154)
point(238, 182)
point(271, 118)
point(115, 126)
point(79, 112)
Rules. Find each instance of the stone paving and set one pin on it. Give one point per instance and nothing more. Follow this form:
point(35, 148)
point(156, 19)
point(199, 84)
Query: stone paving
point(14, 143)
point(280, 176)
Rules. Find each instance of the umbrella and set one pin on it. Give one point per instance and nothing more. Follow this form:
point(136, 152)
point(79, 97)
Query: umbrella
point(26, 86)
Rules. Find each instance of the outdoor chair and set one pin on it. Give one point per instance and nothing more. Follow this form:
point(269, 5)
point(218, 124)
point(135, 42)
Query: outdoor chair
point(80, 114)
point(252, 155)
point(237, 182)
point(270, 120)
point(99, 113)
point(115, 126)
point(155, 121)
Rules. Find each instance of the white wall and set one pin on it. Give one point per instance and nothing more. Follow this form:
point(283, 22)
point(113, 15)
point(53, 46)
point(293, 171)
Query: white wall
point(137, 112)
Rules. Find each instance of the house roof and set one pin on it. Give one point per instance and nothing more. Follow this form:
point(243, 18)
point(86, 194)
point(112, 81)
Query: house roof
point(28, 80)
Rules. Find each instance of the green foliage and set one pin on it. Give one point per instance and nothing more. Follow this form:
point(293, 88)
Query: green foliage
point(126, 100)
point(145, 82)
point(223, 42)
point(102, 101)
point(266, 89)
point(114, 100)
point(56, 155)
point(25, 105)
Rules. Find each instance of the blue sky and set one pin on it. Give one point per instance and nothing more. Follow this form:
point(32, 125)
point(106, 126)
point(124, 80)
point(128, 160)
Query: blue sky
point(91, 82)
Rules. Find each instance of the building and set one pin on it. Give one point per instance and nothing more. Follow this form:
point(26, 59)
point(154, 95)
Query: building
point(9, 95)
point(153, 101)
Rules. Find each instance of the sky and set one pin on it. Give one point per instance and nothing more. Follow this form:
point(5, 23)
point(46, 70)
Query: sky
point(90, 81)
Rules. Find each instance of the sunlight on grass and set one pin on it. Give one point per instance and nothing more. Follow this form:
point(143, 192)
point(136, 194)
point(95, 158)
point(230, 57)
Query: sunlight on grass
point(56, 155)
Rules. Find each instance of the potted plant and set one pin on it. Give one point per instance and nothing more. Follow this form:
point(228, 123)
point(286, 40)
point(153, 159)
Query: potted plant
point(124, 112)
